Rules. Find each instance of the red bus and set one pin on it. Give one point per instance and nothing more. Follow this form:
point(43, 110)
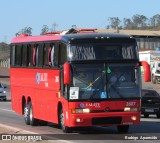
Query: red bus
point(77, 80)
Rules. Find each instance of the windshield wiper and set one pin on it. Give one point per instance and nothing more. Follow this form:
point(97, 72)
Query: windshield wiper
point(91, 84)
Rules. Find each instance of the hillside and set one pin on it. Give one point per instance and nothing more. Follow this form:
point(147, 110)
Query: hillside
point(4, 51)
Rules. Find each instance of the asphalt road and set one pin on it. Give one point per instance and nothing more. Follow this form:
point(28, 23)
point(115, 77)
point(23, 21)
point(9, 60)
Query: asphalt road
point(149, 127)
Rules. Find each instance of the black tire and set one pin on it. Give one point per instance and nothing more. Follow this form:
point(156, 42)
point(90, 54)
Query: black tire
point(64, 128)
point(33, 121)
point(158, 115)
point(146, 115)
point(123, 128)
point(43, 123)
point(154, 81)
point(26, 114)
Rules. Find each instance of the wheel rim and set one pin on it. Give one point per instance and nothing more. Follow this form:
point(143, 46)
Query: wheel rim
point(62, 120)
point(25, 112)
point(31, 115)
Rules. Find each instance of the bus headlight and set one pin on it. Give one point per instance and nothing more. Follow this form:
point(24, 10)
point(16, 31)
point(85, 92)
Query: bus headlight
point(77, 111)
point(131, 109)
point(4, 92)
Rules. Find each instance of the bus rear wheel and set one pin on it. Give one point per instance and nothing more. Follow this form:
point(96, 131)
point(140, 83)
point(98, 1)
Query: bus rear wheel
point(33, 121)
point(123, 128)
point(26, 114)
point(64, 128)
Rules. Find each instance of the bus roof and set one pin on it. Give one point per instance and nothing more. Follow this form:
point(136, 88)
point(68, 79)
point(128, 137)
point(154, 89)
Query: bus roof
point(26, 39)
point(67, 37)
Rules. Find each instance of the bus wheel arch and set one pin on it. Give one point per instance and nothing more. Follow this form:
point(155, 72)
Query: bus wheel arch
point(28, 99)
point(59, 110)
point(61, 119)
point(25, 110)
point(23, 104)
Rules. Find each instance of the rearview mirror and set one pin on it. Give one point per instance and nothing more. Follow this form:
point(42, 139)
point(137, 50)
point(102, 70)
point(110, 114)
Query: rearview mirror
point(67, 73)
point(147, 71)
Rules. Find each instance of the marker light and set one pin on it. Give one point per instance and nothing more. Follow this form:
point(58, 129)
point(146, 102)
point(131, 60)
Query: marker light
point(78, 120)
point(127, 109)
point(77, 111)
point(86, 110)
point(134, 118)
point(4, 92)
point(131, 109)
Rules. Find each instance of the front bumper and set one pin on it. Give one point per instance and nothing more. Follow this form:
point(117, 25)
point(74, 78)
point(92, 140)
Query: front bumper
point(150, 110)
point(105, 119)
point(3, 96)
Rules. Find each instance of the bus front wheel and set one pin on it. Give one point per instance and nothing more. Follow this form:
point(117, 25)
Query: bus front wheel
point(123, 128)
point(64, 128)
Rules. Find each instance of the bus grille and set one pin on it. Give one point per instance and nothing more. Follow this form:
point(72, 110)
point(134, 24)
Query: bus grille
point(106, 120)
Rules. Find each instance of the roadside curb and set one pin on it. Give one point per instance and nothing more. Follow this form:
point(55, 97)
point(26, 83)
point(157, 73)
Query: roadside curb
point(16, 130)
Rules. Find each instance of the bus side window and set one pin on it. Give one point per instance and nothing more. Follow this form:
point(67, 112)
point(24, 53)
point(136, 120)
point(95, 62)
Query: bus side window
point(39, 55)
point(52, 56)
point(47, 51)
point(56, 51)
point(18, 55)
point(31, 54)
point(24, 55)
point(62, 54)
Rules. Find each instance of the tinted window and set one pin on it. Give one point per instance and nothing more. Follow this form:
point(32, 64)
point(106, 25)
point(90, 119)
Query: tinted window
point(47, 49)
point(103, 51)
point(18, 55)
point(56, 51)
point(24, 55)
point(62, 54)
point(31, 49)
point(39, 55)
point(151, 93)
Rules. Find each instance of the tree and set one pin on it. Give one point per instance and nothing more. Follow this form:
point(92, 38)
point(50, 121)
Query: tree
point(44, 29)
point(26, 30)
point(114, 22)
point(155, 21)
point(139, 21)
point(128, 24)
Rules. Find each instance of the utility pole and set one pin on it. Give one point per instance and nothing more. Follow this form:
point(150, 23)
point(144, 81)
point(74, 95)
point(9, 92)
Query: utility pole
point(54, 26)
point(117, 24)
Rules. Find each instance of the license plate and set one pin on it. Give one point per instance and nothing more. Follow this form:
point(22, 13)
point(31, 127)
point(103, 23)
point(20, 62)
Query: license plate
point(149, 110)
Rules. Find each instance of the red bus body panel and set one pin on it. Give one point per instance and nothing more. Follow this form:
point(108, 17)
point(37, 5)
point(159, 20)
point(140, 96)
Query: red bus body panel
point(41, 86)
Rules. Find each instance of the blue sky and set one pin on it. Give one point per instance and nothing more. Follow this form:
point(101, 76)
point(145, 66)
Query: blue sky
point(17, 14)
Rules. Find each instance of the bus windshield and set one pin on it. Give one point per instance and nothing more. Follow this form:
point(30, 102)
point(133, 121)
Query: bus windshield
point(103, 51)
point(105, 81)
